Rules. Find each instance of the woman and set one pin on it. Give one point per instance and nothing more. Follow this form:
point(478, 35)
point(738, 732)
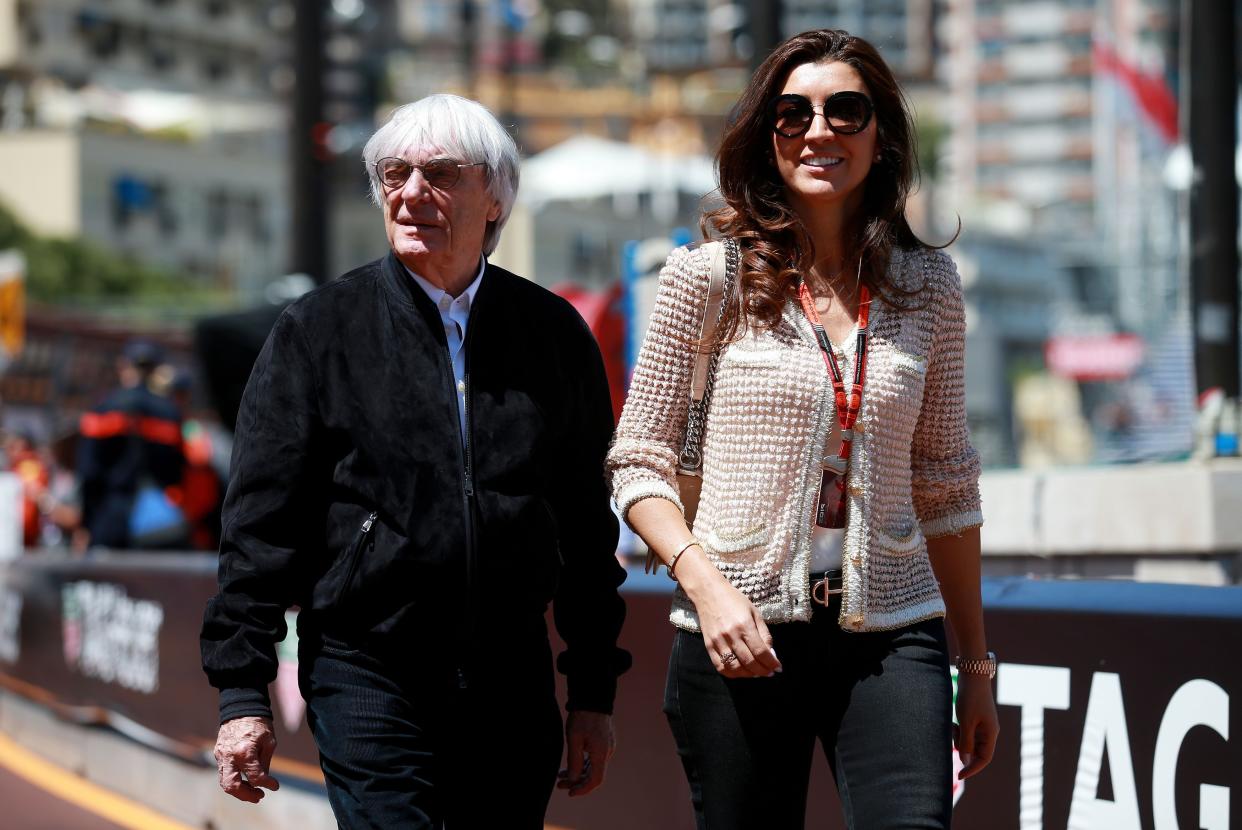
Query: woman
point(832, 533)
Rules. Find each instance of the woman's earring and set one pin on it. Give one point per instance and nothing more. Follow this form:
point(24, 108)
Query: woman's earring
point(878, 156)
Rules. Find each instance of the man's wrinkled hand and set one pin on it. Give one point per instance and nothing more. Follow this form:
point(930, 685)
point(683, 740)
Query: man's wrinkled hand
point(589, 746)
point(244, 749)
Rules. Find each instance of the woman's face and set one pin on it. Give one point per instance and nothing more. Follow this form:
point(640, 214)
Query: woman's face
point(822, 166)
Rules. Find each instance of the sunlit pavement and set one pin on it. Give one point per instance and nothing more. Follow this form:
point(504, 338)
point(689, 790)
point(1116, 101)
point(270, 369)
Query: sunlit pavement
point(38, 795)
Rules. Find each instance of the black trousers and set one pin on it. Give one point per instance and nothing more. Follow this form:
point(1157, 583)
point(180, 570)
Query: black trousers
point(401, 745)
point(879, 703)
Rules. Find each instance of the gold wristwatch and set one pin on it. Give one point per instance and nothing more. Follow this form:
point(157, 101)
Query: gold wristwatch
point(974, 665)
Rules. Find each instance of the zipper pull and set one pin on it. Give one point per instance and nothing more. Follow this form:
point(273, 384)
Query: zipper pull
point(469, 484)
point(461, 678)
point(366, 526)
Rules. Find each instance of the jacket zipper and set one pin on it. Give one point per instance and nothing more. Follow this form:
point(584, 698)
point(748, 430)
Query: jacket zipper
point(556, 532)
point(467, 468)
point(463, 680)
point(356, 556)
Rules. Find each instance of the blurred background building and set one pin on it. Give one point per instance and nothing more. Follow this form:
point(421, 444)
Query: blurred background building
point(163, 132)
point(151, 128)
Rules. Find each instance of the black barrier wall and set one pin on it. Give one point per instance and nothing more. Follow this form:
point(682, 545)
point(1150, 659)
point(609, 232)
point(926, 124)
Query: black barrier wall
point(1116, 699)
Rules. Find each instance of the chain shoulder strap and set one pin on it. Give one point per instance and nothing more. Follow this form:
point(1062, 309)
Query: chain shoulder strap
point(690, 461)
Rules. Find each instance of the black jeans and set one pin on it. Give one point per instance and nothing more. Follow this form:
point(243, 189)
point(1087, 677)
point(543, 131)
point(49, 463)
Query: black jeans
point(402, 746)
point(879, 702)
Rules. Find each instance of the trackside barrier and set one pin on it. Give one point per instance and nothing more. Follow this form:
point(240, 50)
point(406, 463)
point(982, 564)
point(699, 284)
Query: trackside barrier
point(1120, 703)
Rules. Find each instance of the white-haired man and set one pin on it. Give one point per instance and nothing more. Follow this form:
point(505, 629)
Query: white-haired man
point(419, 467)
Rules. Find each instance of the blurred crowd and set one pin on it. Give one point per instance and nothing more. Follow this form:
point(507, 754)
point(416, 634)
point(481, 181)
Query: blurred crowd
point(141, 473)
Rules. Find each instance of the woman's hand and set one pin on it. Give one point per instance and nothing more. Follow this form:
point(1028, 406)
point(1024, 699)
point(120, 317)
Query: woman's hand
point(977, 727)
point(731, 626)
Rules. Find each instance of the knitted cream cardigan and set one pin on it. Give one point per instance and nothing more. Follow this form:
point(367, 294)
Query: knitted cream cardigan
point(913, 473)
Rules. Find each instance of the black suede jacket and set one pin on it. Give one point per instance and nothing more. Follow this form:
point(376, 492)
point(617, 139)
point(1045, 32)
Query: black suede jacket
point(353, 497)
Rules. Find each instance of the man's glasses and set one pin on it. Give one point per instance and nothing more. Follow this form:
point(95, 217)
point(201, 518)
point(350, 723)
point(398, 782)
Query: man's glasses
point(441, 174)
point(847, 113)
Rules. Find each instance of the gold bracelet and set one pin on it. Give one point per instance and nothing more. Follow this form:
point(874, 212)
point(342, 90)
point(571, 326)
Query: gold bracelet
point(672, 563)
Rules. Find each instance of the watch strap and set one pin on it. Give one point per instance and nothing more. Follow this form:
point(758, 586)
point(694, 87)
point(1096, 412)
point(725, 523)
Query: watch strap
point(985, 666)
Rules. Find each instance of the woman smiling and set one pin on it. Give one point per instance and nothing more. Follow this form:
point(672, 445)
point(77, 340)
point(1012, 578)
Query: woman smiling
point(839, 512)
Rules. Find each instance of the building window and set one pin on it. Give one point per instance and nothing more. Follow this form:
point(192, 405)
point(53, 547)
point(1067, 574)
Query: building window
point(217, 68)
point(256, 219)
point(103, 37)
point(217, 214)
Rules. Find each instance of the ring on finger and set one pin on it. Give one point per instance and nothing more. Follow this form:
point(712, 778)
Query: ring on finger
point(728, 657)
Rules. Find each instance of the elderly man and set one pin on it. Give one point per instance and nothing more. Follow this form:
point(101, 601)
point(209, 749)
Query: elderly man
point(419, 468)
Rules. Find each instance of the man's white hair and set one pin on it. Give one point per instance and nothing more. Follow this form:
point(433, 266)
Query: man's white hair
point(461, 128)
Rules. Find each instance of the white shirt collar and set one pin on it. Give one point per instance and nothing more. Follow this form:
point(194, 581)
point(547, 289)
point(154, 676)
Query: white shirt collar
point(437, 294)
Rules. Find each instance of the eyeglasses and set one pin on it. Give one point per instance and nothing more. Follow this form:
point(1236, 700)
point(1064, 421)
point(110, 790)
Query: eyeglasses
point(441, 173)
point(847, 113)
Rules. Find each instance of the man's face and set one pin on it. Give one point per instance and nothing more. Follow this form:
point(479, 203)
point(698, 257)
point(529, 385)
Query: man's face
point(433, 230)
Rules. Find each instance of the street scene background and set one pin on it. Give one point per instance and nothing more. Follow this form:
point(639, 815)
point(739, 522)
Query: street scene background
point(174, 172)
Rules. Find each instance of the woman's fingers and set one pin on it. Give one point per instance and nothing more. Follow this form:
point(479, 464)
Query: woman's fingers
point(765, 655)
point(979, 753)
point(742, 658)
point(751, 654)
point(736, 636)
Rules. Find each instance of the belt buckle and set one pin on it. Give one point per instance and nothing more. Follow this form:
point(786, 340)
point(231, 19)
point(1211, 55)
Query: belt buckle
point(821, 591)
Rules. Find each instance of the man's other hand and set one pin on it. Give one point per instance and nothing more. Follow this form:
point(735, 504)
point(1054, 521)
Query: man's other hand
point(243, 753)
point(589, 744)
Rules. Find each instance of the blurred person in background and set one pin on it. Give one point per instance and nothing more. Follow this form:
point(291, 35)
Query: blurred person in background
point(24, 460)
point(840, 504)
point(202, 488)
point(418, 465)
point(130, 461)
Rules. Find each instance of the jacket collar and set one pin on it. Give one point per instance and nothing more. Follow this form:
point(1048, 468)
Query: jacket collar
point(399, 286)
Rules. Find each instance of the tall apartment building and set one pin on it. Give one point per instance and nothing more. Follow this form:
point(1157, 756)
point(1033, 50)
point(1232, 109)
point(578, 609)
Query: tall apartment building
point(1062, 120)
point(1041, 119)
point(688, 35)
point(215, 47)
point(154, 127)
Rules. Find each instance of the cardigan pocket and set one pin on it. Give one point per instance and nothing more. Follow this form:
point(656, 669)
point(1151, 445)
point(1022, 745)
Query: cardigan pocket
point(900, 542)
point(732, 542)
point(752, 357)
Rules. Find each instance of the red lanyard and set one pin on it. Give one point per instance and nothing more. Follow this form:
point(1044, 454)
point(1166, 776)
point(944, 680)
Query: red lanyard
point(847, 407)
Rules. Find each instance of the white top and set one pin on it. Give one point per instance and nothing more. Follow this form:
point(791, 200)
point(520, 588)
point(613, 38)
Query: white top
point(455, 314)
point(826, 542)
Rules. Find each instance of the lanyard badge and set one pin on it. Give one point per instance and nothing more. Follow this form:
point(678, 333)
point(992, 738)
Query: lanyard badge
point(831, 504)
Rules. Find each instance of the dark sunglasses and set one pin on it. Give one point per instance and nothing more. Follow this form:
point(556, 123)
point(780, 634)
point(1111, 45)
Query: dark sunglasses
point(441, 174)
point(846, 113)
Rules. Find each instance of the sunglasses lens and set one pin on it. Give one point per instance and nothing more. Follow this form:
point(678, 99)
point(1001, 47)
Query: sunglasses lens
point(441, 173)
point(847, 113)
point(792, 116)
point(394, 172)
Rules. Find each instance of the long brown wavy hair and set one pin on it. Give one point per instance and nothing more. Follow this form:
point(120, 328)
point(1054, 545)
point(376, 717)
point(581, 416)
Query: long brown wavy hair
point(777, 248)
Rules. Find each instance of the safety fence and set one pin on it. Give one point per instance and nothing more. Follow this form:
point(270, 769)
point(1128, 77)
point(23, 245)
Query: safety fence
point(1116, 699)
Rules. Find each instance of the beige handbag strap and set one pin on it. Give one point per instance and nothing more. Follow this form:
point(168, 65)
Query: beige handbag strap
point(715, 295)
point(724, 271)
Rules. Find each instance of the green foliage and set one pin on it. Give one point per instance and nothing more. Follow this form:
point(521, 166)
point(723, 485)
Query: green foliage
point(73, 270)
point(931, 134)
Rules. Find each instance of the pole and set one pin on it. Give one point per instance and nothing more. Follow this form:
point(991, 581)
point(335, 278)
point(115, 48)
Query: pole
point(508, 72)
point(1210, 121)
point(308, 156)
point(765, 29)
point(469, 31)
